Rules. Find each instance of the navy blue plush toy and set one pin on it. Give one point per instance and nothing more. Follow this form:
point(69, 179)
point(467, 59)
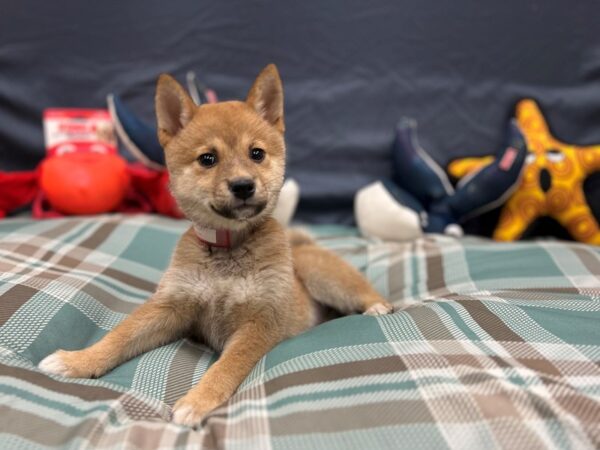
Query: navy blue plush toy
point(141, 139)
point(421, 198)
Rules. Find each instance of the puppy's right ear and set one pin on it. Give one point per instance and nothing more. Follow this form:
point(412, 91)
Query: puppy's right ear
point(174, 108)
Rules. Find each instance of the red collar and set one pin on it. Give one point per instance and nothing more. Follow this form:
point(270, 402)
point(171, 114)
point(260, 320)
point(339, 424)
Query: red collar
point(214, 238)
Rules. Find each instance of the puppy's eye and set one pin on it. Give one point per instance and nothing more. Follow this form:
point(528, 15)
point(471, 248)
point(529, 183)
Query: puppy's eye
point(207, 159)
point(257, 154)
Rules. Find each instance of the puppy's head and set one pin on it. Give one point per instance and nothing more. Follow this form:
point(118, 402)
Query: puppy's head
point(226, 160)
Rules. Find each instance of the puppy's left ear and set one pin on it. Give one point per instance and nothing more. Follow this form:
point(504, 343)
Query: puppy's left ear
point(174, 108)
point(266, 97)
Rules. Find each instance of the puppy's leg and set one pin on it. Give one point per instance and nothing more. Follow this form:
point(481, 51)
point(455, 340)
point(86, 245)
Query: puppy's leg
point(333, 282)
point(153, 324)
point(241, 353)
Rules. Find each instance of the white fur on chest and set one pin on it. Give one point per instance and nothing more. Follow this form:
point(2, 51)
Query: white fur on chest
point(225, 287)
point(218, 296)
point(218, 290)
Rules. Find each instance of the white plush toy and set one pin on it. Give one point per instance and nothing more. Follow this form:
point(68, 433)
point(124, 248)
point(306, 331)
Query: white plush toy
point(378, 214)
point(287, 202)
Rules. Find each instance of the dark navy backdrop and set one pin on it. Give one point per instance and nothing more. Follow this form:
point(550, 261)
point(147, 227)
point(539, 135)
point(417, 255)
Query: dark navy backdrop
point(350, 69)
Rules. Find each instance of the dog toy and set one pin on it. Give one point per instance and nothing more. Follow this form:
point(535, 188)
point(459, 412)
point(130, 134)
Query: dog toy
point(86, 183)
point(552, 183)
point(421, 198)
point(83, 173)
point(17, 189)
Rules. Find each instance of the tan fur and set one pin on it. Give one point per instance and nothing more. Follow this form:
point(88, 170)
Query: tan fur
point(244, 300)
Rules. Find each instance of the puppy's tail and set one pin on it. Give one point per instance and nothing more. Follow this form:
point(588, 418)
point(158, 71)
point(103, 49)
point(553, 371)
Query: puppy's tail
point(299, 236)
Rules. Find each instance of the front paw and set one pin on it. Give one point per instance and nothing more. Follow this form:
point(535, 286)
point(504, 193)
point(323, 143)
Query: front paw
point(78, 364)
point(379, 309)
point(191, 409)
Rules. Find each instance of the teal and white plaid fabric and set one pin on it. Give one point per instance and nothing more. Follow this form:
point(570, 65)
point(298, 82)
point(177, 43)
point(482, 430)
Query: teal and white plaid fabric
point(499, 346)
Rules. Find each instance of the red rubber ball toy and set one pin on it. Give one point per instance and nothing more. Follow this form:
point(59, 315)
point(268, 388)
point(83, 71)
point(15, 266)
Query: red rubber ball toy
point(84, 183)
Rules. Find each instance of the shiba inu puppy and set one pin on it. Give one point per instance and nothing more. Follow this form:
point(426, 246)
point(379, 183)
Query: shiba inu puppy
point(237, 280)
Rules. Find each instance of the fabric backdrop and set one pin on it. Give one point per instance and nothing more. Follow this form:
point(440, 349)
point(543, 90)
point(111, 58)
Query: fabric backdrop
point(350, 68)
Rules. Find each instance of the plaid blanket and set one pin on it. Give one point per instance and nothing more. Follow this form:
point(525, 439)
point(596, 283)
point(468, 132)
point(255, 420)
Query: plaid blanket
point(498, 345)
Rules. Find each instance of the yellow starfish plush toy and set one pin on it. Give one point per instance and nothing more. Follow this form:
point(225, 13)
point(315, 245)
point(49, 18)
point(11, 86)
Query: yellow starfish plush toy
point(552, 183)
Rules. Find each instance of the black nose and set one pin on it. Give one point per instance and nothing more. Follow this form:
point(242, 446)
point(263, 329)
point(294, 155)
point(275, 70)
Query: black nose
point(242, 188)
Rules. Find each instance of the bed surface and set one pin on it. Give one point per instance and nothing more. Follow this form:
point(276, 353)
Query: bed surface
point(499, 346)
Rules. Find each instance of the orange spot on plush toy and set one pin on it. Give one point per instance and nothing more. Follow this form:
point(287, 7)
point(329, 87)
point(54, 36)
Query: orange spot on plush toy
point(552, 183)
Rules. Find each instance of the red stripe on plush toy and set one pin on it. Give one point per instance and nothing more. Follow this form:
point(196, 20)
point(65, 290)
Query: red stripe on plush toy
point(508, 159)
